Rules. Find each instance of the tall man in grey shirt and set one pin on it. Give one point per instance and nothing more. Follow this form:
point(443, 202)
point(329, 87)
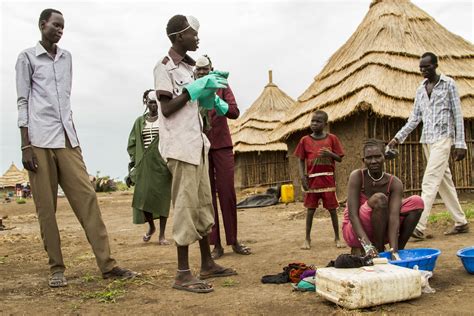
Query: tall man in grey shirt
point(50, 148)
point(438, 105)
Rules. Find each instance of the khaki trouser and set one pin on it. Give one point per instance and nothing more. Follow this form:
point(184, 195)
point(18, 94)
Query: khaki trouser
point(192, 202)
point(66, 167)
point(438, 178)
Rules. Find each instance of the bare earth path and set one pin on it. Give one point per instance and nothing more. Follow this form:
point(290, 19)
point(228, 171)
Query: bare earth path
point(274, 233)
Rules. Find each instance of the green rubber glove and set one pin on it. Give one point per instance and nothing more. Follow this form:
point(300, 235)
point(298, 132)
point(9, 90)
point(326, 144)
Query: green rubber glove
point(205, 86)
point(221, 106)
point(223, 74)
point(207, 101)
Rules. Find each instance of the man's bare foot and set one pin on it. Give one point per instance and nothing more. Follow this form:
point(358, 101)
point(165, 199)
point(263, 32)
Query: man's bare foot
point(163, 242)
point(217, 252)
point(306, 244)
point(339, 244)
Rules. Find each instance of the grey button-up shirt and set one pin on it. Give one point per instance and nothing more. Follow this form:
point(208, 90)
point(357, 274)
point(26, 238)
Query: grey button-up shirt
point(43, 87)
point(441, 114)
point(181, 134)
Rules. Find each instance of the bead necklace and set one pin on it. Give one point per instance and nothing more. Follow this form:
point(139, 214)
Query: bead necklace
point(151, 118)
point(373, 179)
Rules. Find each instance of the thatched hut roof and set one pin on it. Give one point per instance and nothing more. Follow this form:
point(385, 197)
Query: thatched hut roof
point(251, 131)
point(13, 176)
point(377, 68)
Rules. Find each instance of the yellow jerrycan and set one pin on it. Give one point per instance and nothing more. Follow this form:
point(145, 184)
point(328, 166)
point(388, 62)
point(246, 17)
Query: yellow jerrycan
point(287, 193)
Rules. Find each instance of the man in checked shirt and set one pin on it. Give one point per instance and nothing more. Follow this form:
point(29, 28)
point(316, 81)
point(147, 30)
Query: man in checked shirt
point(438, 105)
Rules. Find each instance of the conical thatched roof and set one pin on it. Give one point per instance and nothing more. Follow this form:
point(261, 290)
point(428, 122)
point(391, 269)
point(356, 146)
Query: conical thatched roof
point(13, 176)
point(251, 131)
point(378, 67)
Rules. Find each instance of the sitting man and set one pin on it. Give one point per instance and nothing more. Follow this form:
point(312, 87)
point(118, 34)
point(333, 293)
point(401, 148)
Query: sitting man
point(376, 213)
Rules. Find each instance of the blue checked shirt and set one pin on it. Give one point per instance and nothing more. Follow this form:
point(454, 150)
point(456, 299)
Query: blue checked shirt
point(43, 86)
point(441, 114)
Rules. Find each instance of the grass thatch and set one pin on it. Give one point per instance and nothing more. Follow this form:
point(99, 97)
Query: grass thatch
point(377, 68)
point(251, 131)
point(13, 176)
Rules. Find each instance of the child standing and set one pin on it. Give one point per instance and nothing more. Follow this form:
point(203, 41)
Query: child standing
point(319, 151)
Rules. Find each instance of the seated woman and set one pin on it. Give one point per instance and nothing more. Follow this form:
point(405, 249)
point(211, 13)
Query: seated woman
point(376, 213)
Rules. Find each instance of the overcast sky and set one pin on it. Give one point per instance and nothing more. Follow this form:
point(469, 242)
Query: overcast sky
point(115, 45)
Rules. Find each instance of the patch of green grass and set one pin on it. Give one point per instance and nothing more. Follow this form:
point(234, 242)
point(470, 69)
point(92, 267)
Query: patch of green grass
point(20, 201)
point(230, 282)
point(110, 294)
point(106, 296)
point(89, 278)
point(441, 217)
point(3, 259)
point(445, 216)
point(469, 213)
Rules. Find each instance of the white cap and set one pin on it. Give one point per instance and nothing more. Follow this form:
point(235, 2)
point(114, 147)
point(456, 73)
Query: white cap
point(152, 96)
point(202, 61)
point(192, 23)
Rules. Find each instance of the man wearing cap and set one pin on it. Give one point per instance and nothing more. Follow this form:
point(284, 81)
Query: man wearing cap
point(221, 163)
point(50, 148)
point(184, 146)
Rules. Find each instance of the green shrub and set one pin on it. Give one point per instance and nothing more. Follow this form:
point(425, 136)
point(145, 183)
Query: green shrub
point(121, 186)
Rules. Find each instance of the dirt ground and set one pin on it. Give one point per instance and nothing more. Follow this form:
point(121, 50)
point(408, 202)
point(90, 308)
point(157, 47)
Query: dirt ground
point(274, 234)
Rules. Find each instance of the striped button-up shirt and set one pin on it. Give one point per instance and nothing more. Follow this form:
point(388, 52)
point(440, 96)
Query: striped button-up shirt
point(441, 114)
point(43, 85)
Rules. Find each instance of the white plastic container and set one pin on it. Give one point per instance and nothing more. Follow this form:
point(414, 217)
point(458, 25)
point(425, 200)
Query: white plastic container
point(368, 286)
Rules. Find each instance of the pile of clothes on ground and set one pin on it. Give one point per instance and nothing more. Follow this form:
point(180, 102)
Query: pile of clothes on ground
point(303, 276)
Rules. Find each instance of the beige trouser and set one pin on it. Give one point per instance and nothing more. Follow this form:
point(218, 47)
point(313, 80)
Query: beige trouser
point(192, 201)
point(438, 178)
point(66, 167)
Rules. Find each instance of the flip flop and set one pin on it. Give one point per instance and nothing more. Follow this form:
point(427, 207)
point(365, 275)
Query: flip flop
point(242, 250)
point(146, 237)
point(188, 286)
point(57, 280)
point(224, 272)
point(163, 242)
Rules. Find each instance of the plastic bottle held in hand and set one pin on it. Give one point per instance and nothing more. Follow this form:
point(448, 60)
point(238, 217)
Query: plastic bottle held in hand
point(390, 153)
point(369, 249)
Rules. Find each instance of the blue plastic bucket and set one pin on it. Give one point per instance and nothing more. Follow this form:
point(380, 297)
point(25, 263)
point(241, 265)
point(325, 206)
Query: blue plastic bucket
point(467, 258)
point(424, 258)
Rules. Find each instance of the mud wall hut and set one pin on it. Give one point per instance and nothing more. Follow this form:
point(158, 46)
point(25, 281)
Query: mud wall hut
point(13, 176)
point(368, 86)
point(260, 161)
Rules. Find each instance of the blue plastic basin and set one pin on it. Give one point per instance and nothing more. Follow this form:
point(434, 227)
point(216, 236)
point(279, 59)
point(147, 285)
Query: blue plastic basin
point(424, 258)
point(467, 258)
